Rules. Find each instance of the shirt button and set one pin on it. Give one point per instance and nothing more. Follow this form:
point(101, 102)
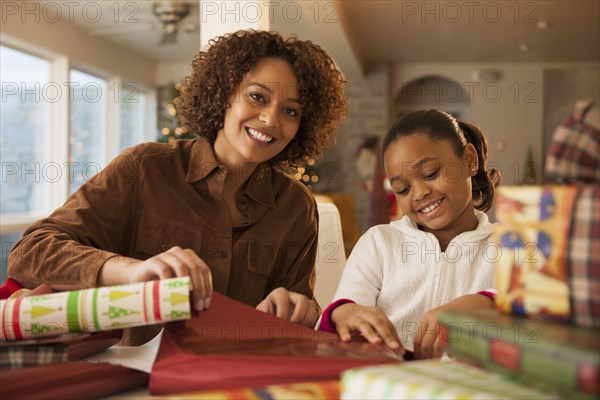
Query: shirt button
point(243, 199)
point(223, 255)
point(164, 247)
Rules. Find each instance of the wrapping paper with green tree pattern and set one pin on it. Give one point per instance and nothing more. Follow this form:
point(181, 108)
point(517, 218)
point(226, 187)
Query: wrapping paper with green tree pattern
point(98, 309)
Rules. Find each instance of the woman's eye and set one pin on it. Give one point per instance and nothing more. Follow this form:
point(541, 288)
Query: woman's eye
point(291, 112)
point(257, 97)
point(432, 175)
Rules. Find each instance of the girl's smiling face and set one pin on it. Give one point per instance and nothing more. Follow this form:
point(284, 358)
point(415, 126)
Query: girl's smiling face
point(263, 117)
point(432, 184)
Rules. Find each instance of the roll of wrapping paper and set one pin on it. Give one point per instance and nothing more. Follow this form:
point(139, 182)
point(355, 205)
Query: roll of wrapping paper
point(92, 310)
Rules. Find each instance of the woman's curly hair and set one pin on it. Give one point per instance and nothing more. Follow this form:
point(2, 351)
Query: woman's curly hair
point(218, 71)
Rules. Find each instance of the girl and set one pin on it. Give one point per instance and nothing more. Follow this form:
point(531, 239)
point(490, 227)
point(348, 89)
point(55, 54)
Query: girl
point(436, 252)
point(217, 208)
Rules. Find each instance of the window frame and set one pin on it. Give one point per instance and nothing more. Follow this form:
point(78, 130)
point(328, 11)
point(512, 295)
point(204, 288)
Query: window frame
point(60, 129)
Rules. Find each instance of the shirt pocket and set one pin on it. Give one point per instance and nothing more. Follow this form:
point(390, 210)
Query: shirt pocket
point(264, 259)
point(157, 235)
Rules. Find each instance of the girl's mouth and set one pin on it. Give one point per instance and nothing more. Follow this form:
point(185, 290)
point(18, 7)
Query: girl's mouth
point(431, 207)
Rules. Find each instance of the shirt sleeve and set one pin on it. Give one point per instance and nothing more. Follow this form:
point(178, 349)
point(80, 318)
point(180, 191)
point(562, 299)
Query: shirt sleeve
point(63, 250)
point(362, 278)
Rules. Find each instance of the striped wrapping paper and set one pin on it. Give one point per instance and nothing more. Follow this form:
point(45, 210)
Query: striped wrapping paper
point(92, 310)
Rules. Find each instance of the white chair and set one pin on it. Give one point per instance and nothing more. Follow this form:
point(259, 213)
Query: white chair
point(331, 255)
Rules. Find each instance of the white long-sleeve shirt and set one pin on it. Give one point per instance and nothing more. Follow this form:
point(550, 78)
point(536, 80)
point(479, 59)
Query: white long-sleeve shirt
point(402, 270)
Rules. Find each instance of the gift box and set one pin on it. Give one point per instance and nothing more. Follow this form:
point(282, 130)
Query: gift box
point(432, 379)
point(548, 252)
point(553, 356)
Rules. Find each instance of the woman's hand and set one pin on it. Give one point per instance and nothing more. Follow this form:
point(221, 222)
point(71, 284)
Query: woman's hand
point(427, 339)
point(371, 322)
point(176, 262)
point(292, 306)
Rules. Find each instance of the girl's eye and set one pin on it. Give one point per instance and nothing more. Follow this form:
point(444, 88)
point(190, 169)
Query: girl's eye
point(402, 192)
point(432, 175)
point(291, 112)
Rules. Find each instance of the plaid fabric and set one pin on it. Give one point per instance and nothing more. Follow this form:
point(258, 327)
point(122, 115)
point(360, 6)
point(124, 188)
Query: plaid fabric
point(20, 356)
point(583, 257)
point(575, 151)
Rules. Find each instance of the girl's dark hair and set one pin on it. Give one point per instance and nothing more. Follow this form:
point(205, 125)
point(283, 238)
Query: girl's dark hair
point(439, 125)
point(218, 71)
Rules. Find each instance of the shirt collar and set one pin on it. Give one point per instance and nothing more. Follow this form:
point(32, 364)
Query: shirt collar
point(260, 185)
point(203, 161)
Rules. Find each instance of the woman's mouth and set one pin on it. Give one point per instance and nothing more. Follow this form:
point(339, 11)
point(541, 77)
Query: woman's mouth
point(259, 136)
point(431, 207)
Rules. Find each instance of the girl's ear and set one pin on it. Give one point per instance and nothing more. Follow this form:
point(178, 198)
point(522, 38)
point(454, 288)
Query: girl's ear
point(471, 159)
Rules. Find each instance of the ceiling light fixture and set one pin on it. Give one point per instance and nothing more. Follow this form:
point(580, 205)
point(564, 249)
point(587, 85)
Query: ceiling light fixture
point(524, 48)
point(542, 25)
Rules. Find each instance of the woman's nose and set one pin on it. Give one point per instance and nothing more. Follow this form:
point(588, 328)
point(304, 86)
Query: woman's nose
point(269, 116)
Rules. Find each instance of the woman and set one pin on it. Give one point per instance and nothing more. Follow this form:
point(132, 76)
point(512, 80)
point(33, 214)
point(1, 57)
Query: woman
point(217, 208)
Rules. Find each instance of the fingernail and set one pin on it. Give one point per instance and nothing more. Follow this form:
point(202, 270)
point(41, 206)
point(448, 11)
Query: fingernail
point(207, 302)
point(200, 305)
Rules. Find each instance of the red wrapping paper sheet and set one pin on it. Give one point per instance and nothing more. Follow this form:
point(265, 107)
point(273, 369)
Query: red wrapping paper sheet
point(232, 345)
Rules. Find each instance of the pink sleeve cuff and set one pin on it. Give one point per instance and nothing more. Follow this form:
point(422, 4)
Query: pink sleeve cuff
point(489, 294)
point(326, 325)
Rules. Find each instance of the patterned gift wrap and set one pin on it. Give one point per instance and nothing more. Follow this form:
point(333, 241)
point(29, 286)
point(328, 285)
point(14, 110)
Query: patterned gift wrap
point(548, 253)
point(533, 233)
point(431, 379)
point(91, 310)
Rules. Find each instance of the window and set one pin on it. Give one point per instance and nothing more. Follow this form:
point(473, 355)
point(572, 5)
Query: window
point(59, 126)
point(133, 115)
point(89, 98)
point(25, 109)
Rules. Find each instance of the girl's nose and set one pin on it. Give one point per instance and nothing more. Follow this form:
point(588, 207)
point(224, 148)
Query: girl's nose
point(422, 191)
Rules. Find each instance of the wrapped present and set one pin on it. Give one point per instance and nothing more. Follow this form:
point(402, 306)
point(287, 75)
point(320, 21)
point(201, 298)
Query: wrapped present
point(548, 259)
point(558, 357)
point(92, 310)
point(432, 379)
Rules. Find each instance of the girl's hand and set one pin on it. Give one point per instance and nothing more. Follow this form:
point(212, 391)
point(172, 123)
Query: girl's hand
point(427, 339)
point(176, 262)
point(371, 322)
point(292, 306)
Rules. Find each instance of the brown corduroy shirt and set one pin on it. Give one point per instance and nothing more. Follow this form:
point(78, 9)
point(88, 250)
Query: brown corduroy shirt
point(156, 196)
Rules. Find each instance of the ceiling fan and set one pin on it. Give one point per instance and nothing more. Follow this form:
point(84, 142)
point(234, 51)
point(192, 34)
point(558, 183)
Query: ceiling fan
point(166, 16)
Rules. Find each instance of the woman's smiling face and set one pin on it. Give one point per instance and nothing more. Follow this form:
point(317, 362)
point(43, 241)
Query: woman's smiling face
point(263, 117)
point(432, 184)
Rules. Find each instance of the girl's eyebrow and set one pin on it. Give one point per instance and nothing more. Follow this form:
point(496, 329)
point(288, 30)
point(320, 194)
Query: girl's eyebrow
point(416, 165)
point(268, 88)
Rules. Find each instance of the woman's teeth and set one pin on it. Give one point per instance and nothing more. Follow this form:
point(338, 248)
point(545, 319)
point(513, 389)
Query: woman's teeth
point(259, 136)
point(431, 207)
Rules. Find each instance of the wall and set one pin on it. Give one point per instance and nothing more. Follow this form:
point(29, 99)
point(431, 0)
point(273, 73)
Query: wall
point(83, 50)
point(509, 108)
point(168, 73)
point(368, 116)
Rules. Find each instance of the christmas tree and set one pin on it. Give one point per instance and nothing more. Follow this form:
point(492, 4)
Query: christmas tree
point(167, 116)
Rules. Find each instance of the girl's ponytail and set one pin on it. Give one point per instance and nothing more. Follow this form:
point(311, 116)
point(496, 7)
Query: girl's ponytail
point(485, 181)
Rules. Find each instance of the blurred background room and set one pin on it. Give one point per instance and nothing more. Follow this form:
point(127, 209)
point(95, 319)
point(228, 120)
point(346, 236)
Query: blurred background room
point(83, 80)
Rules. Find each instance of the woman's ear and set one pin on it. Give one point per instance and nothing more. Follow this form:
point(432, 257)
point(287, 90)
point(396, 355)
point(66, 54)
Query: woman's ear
point(471, 159)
